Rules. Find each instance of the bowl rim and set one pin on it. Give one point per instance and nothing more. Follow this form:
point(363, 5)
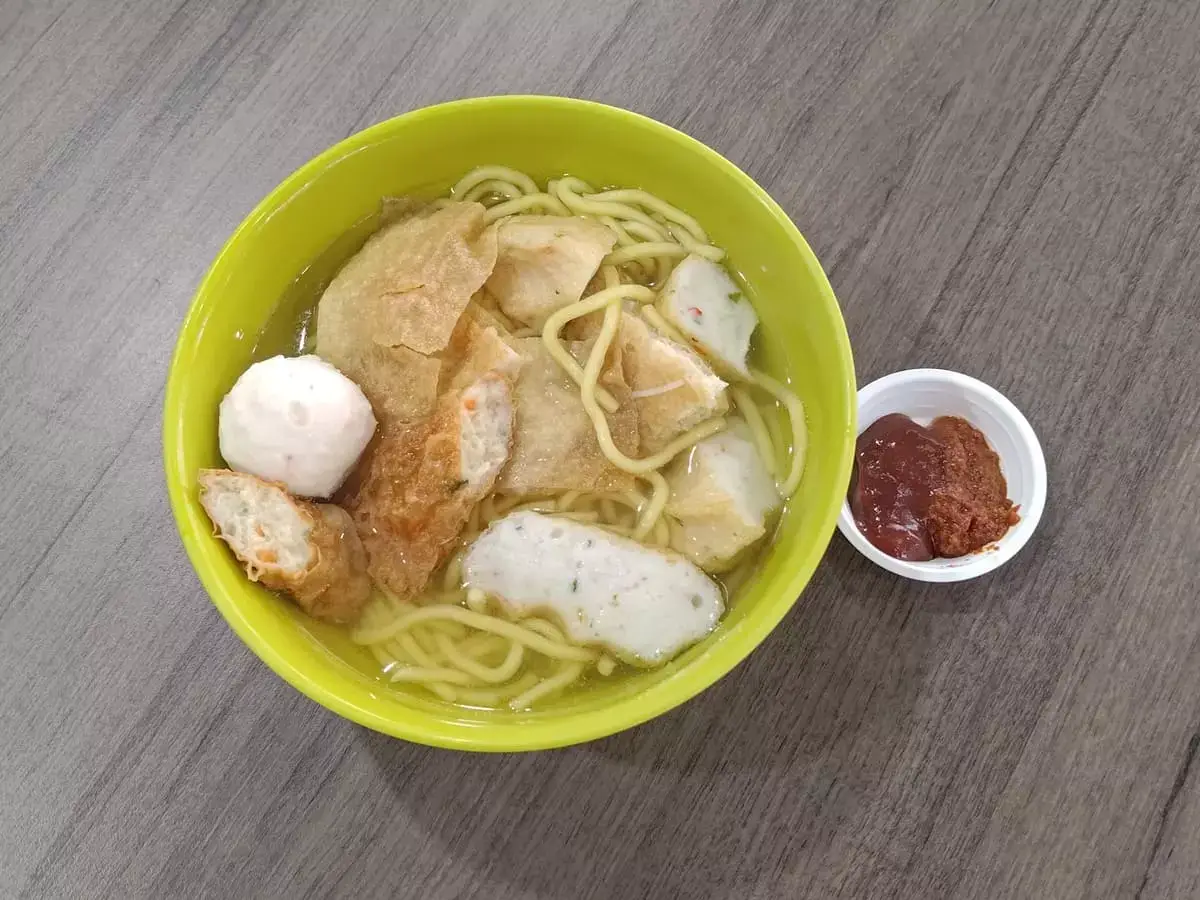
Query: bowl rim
point(1031, 513)
point(423, 727)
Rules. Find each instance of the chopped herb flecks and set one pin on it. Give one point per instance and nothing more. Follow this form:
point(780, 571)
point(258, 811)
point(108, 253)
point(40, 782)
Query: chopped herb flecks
point(574, 585)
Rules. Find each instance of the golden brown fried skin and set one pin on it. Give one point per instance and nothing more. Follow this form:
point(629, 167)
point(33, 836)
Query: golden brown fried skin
point(337, 587)
point(409, 499)
point(333, 585)
point(396, 303)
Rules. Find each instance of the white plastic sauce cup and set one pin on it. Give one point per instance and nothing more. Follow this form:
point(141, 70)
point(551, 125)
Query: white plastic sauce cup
point(925, 394)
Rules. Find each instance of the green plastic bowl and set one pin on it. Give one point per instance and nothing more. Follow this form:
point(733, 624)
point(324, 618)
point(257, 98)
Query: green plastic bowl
point(802, 338)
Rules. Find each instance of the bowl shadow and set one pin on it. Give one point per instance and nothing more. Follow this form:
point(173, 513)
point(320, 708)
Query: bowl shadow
point(795, 739)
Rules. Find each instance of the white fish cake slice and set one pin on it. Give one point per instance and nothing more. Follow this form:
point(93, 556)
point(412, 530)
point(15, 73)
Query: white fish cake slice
point(704, 303)
point(644, 604)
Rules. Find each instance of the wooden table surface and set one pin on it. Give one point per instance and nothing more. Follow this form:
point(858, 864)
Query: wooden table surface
point(1007, 189)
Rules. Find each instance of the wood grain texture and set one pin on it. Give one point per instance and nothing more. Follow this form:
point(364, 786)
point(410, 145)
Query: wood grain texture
point(1008, 189)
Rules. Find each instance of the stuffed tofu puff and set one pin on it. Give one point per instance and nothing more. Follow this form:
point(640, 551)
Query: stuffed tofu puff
point(560, 486)
point(309, 550)
point(543, 263)
point(417, 484)
point(673, 388)
point(555, 447)
point(722, 496)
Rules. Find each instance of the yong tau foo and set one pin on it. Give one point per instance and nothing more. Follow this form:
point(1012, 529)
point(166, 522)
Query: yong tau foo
point(529, 448)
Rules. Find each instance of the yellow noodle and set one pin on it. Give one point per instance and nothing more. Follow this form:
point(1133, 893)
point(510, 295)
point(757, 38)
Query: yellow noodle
point(624, 238)
point(573, 184)
point(396, 650)
point(544, 506)
point(493, 186)
point(565, 676)
point(643, 252)
point(795, 410)
point(445, 675)
point(758, 428)
point(632, 499)
point(452, 577)
point(708, 251)
point(523, 204)
point(609, 509)
point(655, 205)
point(546, 629)
point(595, 302)
point(580, 516)
point(488, 675)
point(567, 500)
point(425, 641)
point(622, 530)
point(662, 532)
point(454, 630)
point(386, 660)
point(415, 652)
point(423, 614)
point(450, 629)
point(494, 697)
point(657, 268)
point(483, 644)
point(646, 270)
point(647, 467)
point(646, 233)
point(655, 318)
point(497, 173)
point(779, 446)
point(618, 510)
point(553, 205)
point(580, 205)
point(649, 516)
point(587, 501)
